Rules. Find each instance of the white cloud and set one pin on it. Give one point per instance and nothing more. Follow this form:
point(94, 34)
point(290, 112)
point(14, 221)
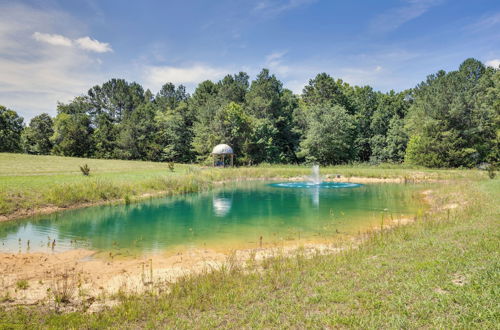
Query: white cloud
point(484, 23)
point(276, 7)
point(394, 18)
point(274, 62)
point(158, 75)
point(39, 69)
point(53, 39)
point(495, 63)
point(85, 43)
point(93, 45)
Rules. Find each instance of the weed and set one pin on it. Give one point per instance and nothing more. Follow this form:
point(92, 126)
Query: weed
point(64, 286)
point(171, 166)
point(22, 284)
point(491, 172)
point(85, 169)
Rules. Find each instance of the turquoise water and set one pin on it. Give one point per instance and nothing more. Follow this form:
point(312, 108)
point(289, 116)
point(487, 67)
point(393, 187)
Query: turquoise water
point(235, 216)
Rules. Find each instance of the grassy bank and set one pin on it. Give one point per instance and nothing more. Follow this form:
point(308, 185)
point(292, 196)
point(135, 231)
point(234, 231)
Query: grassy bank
point(441, 271)
point(30, 183)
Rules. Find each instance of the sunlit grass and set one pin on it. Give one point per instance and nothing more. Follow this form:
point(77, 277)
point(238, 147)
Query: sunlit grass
point(29, 182)
point(441, 271)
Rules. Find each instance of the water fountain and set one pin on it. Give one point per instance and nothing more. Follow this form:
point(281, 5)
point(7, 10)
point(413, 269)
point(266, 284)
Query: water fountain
point(315, 182)
point(315, 178)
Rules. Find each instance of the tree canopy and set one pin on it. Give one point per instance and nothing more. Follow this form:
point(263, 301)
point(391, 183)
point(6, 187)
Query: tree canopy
point(451, 119)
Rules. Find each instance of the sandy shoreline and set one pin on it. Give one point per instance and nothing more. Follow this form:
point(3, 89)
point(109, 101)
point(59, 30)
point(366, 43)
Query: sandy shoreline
point(34, 278)
point(96, 278)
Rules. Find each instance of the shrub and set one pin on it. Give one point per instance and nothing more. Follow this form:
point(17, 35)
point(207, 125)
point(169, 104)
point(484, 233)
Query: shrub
point(491, 172)
point(171, 166)
point(22, 284)
point(85, 170)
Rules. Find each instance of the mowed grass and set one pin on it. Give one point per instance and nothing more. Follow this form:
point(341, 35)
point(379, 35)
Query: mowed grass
point(442, 271)
point(30, 182)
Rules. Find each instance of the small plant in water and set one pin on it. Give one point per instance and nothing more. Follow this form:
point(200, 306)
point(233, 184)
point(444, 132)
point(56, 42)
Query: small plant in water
point(85, 170)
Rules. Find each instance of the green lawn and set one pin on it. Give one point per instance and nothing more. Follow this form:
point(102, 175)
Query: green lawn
point(442, 271)
point(30, 182)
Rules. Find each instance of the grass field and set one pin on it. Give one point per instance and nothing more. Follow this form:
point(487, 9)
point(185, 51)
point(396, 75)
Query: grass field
point(29, 182)
point(442, 271)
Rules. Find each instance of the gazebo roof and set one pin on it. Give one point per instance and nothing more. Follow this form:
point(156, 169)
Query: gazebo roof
point(222, 149)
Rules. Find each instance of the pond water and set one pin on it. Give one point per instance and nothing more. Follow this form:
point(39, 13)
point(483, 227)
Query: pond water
point(235, 216)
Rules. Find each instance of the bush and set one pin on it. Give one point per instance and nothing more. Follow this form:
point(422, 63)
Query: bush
point(85, 170)
point(491, 172)
point(171, 166)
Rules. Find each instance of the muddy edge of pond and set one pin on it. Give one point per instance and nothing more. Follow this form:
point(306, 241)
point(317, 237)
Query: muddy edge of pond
point(27, 213)
point(104, 274)
point(94, 274)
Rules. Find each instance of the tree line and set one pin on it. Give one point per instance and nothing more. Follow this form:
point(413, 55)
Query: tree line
point(451, 119)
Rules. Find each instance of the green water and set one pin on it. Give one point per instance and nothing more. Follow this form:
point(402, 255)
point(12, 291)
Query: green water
point(235, 216)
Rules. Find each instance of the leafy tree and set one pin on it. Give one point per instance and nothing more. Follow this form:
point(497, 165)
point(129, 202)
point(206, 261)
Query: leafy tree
point(329, 136)
point(136, 139)
point(267, 101)
point(175, 134)
point(323, 89)
point(233, 88)
point(392, 146)
point(204, 105)
point(390, 109)
point(364, 102)
point(170, 96)
point(105, 136)
point(116, 97)
point(36, 137)
point(11, 127)
point(452, 127)
point(233, 127)
point(262, 146)
point(72, 129)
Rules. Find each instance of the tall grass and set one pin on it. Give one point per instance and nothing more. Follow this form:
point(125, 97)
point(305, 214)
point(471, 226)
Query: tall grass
point(441, 271)
point(56, 181)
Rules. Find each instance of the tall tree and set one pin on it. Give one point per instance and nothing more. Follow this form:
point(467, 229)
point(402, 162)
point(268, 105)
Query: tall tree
point(330, 135)
point(391, 108)
point(72, 129)
point(267, 101)
point(449, 128)
point(137, 136)
point(233, 88)
point(116, 97)
point(36, 137)
point(170, 96)
point(11, 127)
point(323, 89)
point(175, 133)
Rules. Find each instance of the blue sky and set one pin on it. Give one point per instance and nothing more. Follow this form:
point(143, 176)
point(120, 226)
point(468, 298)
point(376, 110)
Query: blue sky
point(54, 50)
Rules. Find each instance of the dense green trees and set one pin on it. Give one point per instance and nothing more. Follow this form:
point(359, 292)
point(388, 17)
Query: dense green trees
point(36, 137)
point(451, 119)
point(329, 136)
point(11, 127)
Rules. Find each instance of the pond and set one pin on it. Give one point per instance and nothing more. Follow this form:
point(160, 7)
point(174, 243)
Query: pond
point(243, 215)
